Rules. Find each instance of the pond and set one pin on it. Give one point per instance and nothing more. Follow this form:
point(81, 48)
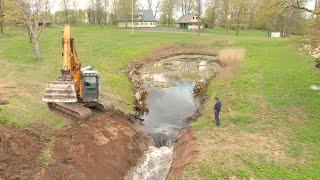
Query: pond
point(170, 84)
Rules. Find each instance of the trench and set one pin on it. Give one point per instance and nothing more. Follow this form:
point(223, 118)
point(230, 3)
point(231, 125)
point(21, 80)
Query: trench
point(171, 101)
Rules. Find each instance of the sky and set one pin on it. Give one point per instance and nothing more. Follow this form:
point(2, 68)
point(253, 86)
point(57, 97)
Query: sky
point(82, 4)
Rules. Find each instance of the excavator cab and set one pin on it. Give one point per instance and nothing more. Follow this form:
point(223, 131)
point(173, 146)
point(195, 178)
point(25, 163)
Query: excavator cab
point(91, 85)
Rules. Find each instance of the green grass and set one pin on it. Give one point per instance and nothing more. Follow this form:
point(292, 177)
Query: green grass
point(270, 119)
point(108, 49)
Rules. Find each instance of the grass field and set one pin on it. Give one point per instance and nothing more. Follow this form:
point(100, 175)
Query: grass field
point(270, 121)
point(108, 49)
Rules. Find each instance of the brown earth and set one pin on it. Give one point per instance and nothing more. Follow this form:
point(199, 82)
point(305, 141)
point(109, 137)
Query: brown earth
point(185, 152)
point(104, 147)
point(18, 153)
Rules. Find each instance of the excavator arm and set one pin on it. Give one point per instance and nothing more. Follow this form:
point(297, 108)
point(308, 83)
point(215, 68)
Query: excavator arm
point(69, 87)
point(71, 62)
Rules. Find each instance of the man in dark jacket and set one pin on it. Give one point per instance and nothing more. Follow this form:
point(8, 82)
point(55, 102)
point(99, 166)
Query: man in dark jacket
point(217, 109)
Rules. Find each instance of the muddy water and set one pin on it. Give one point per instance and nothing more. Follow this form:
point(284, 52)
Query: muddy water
point(170, 84)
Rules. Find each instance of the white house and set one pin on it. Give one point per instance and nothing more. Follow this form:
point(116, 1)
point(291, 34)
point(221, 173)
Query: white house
point(142, 19)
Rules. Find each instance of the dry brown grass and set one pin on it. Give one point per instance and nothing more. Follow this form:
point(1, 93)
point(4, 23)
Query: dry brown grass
point(232, 55)
point(230, 59)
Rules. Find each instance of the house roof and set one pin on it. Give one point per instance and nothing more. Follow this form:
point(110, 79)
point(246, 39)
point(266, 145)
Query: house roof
point(187, 18)
point(140, 16)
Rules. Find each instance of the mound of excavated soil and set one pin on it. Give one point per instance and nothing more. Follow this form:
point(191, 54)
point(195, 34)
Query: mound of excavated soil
point(185, 152)
point(18, 153)
point(104, 147)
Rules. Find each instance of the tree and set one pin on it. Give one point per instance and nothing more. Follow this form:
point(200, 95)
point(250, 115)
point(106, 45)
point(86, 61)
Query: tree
point(199, 15)
point(35, 14)
point(226, 14)
point(106, 4)
point(1, 17)
point(212, 13)
point(124, 10)
point(167, 11)
point(99, 13)
point(186, 6)
point(65, 4)
point(155, 9)
point(300, 4)
point(240, 9)
point(115, 7)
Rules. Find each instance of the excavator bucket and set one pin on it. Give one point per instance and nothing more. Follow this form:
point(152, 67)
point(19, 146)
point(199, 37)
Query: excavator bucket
point(60, 92)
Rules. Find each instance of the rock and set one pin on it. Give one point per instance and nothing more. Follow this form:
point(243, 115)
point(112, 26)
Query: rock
point(314, 87)
point(4, 101)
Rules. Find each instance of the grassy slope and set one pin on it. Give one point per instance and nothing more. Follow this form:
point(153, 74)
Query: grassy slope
point(270, 120)
point(108, 49)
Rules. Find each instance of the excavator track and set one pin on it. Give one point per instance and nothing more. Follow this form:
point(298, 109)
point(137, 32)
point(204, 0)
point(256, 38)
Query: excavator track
point(74, 110)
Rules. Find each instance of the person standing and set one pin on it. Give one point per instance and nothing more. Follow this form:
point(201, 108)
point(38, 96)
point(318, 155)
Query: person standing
point(217, 110)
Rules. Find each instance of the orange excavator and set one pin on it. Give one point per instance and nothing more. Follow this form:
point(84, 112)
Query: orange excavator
point(77, 90)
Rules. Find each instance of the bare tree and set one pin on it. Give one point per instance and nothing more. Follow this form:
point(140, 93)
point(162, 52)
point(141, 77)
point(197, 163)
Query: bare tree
point(199, 15)
point(65, 4)
point(1, 17)
point(226, 14)
point(35, 15)
point(186, 6)
point(99, 12)
point(106, 3)
point(298, 4)
point(156, 8)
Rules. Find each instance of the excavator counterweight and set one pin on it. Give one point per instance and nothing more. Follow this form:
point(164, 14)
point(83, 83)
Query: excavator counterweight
point(60, 91)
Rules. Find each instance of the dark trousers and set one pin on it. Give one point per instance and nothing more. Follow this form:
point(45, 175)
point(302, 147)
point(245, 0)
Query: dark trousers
point(217, 118)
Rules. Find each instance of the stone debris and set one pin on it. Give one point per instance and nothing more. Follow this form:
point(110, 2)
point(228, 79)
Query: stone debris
point(314, 87)
point(315, 53)
point(306, 47)
point(200, 92)
point(141, 94)
point(4, 101)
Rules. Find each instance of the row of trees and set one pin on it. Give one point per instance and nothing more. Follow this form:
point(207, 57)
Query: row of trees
point(286, 16)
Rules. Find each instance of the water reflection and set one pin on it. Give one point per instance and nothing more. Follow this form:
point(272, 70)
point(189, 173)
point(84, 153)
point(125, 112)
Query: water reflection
point(169, 108)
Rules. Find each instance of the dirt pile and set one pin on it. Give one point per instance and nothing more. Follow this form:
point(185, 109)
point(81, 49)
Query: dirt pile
point(4, 101)
point(185, 152)
point(134, 74)
point(104, 147)
point(200, 92)
point(18, 153)
point(314, 52)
